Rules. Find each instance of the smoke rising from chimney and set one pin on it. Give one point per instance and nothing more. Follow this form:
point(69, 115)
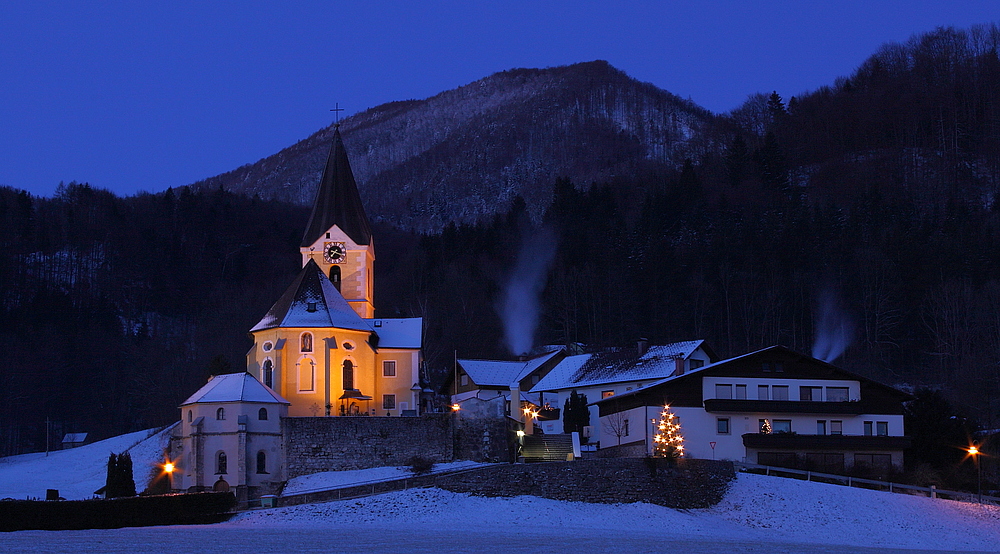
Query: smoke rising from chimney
point(519, 305)
point(834, 328)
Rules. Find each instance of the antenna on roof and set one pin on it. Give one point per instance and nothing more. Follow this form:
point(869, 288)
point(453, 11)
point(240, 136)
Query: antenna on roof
point(336, 110)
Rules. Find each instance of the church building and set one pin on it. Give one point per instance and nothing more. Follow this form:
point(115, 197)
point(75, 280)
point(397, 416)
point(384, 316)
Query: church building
point(320, 346)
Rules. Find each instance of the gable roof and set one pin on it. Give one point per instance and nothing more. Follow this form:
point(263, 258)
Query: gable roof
point(601, 368)
point(337, 200)
point(234, 387)
point(494, 373)
point(312, 301)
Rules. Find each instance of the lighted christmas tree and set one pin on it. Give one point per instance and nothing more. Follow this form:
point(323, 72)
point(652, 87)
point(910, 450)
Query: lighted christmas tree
point(765, 428)
point(668, 442)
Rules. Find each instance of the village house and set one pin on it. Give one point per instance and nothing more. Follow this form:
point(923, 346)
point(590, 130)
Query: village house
point(771, 407)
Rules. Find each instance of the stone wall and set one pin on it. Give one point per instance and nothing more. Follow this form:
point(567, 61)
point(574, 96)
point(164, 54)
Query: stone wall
point(314, 444)
point(682, 484)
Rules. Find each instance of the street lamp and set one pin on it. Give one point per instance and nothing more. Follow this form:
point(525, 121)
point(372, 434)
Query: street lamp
point(974, 452)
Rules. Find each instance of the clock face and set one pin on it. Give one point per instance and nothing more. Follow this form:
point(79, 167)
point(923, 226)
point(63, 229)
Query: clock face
point(334, 252)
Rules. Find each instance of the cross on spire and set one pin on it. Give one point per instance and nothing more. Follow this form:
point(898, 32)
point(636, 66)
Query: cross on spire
point(336, 110)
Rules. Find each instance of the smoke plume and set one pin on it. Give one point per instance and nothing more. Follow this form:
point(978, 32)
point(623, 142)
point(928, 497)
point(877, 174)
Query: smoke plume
point(519, 305)
point(834, 328)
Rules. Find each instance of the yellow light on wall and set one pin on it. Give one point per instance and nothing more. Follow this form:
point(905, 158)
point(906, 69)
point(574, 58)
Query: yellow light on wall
point(168, 467)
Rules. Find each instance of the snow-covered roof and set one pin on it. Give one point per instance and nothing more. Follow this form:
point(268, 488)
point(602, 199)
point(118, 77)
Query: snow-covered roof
point(494, 373)
point(312, 301)
point(601, 368)
point(75, 437)
point(398, 333)
point(234, 387)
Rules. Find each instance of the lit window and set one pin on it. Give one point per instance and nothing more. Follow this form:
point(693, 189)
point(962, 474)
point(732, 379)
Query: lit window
point(722, 425)
point(607, 393)
point(388, 401)
point(389, 368)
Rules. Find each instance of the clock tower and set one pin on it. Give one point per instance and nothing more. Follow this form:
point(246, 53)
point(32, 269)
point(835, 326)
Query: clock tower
point(338, 237)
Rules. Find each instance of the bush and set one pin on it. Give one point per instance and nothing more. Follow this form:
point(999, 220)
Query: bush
point(420, 465)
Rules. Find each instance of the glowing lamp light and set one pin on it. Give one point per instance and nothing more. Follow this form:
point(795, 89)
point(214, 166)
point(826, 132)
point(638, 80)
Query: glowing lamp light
point(456, 407)
point(520, 433)
point(973, 450)
point(168, 467)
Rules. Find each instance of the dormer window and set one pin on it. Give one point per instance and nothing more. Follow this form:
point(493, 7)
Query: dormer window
point(311, 307)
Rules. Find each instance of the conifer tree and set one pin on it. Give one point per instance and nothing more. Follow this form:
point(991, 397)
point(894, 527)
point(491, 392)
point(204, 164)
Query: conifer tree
point(668, 441)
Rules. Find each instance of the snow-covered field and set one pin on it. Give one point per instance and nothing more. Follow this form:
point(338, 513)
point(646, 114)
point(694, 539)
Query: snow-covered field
point(759, 514)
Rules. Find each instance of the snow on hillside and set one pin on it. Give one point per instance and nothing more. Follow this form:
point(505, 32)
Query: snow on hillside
point(78, 472)
point(757, 508)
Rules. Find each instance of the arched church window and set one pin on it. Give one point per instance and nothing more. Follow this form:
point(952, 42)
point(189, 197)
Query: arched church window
point(348, 375)
point(190, 416)
point(221, 463)
point(262, 414)
point(307, 342)
point(220, 414)
point(261, 462)
point(267, 373)
point(335, 276)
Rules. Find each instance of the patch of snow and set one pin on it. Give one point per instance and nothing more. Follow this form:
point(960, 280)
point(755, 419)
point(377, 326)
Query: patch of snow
point(327, 480)
point(78, 472)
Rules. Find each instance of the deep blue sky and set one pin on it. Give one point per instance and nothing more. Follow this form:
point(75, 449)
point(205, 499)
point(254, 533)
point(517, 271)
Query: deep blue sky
point(138, 95)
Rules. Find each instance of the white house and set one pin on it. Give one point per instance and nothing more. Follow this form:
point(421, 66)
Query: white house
point(772, 407)
point(230, 436)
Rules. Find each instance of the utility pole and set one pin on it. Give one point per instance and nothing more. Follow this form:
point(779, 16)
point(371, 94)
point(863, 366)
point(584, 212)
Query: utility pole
point(46, 437)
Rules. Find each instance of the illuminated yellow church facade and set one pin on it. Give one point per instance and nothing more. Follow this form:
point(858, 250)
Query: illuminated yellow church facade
point(320, 345)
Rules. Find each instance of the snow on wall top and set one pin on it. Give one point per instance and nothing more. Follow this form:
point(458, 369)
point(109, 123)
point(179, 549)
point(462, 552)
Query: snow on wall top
point(234, 387)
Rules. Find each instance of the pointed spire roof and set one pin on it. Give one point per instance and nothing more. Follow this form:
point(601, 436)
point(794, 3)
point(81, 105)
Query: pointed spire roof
point(337, 200)
point(312, 301)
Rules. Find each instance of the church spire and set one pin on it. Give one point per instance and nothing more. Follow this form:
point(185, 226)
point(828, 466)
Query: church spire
point(337, 200)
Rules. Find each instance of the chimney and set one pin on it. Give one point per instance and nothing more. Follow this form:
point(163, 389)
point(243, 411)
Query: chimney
point(678, 366)
point(642, 345)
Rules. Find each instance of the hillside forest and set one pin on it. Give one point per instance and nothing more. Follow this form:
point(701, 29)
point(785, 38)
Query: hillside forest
point(858, 221)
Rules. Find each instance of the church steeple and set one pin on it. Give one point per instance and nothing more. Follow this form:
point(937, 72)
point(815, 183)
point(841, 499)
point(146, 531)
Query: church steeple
point(337, 200)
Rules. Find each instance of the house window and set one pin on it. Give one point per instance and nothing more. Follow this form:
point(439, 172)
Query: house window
point(722, 425)
point(781, 426)
point(811, 394)
point(761, 392)
point(267, 372)
point(695, 364)
point(625, 428)
point(261, 462)
point(873, 461)
point(190, 416)
point(741, 392)
point(221, 463)
point(465, 380)
point(724, 391)
point(766, 367)
point(388, 401)
point(836, 427)
point(306, 342)
point(779, 367)
point(868, 428)
point(262, 414)
point(607, 393)
point(534, 379)
point(836, 394)
point(389, 368)
point(220, 414)
point(348, 375)
point(821, 427)
point(779, 392)
point(882, 428)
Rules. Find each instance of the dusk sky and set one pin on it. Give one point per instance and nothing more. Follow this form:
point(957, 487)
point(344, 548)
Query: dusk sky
point(140, 96)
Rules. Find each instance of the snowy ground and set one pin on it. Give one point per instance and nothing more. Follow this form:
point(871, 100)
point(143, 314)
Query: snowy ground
point(78, 472)
point(759, 514)
point(327, 480)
